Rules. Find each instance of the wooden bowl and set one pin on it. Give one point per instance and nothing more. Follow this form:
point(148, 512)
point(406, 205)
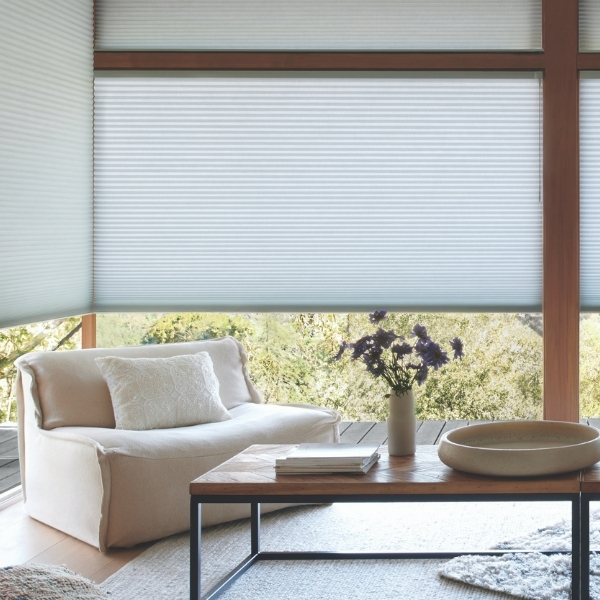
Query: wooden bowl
point(520, 448)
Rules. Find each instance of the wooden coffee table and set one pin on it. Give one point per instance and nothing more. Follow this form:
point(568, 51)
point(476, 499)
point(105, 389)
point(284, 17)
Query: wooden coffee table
point(250, 478)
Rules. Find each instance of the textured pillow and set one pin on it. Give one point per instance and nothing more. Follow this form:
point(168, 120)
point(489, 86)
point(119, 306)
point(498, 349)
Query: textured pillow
point(156, 393)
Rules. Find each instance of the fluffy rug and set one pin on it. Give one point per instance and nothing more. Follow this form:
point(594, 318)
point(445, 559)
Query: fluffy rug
point(531, 576)
point(162, 571)
point(46, 582)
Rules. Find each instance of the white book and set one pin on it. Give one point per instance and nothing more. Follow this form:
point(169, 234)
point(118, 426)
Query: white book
point(324, 469)
point(329, 455)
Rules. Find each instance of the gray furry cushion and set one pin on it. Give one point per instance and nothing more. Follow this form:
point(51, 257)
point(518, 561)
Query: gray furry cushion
point(46, 582)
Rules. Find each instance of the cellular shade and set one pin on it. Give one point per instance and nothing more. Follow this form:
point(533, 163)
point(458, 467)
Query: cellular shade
point(46, 95)
point(319, 25)
point(590, 191)
point(589, 26)
point(255, 191)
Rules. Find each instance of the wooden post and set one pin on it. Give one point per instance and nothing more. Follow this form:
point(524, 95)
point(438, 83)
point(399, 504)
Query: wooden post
point(561, 211)
point(88, 331)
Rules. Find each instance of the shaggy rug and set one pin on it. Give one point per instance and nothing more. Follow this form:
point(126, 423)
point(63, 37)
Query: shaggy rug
point(46, 582)
point(532, 576)
point(162, 571)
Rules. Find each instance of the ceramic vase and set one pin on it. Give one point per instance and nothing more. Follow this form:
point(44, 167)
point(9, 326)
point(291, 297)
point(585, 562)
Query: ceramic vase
point(402, 424)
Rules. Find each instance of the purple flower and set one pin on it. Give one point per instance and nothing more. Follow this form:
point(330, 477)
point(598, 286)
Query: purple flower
point(420, 332)
point(343, 347)
point(377, 316)
point(361, 346)
point(375, 367)
point(421, 375)
point(434, 356)
point(421, 346)
point(457, 346)
point(384, 338)
point(403, 349)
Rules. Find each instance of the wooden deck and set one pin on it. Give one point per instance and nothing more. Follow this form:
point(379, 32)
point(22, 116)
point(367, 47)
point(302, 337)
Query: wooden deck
point(428, 432)
point(352, 432)
point(10, 475)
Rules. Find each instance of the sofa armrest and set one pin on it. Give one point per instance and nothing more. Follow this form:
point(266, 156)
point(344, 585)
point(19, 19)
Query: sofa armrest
point(65, 476)
point(336, 415)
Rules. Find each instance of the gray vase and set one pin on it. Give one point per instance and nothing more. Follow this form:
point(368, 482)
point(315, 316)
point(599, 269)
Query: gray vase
point(402, 424)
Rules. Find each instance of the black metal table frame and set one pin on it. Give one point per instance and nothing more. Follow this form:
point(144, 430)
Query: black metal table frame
point(255, 553)
point(585, 542)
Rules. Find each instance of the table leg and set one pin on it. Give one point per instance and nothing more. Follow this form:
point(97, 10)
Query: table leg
point(585, 547)
point(576, 548)
point(195, 542)
point(254, 528)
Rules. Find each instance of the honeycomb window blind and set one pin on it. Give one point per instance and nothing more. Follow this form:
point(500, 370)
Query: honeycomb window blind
point(46, 96)
point(589, 26)
point(313, 191)
point(319, 25)
point(590, 191)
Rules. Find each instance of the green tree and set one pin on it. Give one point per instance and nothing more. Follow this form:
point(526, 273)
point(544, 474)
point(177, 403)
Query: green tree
point(290, 360)
point(55, 335)
point(183, 327)
point(123, 329)
point(589, 366)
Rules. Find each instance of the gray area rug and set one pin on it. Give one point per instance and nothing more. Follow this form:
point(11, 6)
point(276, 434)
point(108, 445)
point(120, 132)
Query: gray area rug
point(162, 571)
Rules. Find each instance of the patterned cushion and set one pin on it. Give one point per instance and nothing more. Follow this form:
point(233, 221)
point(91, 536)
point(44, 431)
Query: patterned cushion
point(157, 393)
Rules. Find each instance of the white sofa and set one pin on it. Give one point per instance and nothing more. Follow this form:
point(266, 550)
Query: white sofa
point(115, 487)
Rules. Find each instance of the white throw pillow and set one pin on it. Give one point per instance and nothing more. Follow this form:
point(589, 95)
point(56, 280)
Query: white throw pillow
point(157, 393)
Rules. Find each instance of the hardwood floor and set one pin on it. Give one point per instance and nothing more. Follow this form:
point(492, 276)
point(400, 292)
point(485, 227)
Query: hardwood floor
point(24, 539)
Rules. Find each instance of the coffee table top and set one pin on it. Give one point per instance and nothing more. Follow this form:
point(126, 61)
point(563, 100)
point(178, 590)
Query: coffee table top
point(252, 472)
point(590, 480)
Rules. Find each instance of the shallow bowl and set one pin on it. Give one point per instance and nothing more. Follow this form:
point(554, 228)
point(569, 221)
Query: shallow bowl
point(520, 448)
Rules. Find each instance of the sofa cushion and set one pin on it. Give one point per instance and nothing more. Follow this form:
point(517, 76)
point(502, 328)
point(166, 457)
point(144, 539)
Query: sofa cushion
point(69, 390)
point(152, 393)
point(250, 424)
point(150, 471)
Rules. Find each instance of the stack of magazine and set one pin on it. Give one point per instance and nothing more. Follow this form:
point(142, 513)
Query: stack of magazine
point(328, 458)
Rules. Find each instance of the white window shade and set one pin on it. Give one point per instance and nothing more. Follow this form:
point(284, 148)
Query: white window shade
point(254, 191)
point(46, 94)
point(590, 191)
point(589, 26)
point(319, 25)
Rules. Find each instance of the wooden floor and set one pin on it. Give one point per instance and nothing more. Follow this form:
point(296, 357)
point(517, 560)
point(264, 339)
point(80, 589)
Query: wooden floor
point(23, 539)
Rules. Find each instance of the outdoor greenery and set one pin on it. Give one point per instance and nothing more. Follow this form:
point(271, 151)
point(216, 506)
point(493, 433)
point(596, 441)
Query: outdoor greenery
point(290, 358)
point(59, 334)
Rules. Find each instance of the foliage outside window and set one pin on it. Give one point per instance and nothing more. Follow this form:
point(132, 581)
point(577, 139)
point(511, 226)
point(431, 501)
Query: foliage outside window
point(290, 356)
point(290, 359)
point(589, 366)
point(55, 335)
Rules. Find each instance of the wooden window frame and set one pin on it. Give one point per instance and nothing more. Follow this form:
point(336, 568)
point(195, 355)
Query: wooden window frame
point(560, 62)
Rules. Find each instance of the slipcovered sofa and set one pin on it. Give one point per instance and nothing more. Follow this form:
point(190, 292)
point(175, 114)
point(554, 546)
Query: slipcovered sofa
point(118, 487)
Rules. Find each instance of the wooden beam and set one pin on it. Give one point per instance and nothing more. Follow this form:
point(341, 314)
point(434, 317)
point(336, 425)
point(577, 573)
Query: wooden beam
point(321, 61)
point(561, 211)
point(588, 62)
point(88, 331)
